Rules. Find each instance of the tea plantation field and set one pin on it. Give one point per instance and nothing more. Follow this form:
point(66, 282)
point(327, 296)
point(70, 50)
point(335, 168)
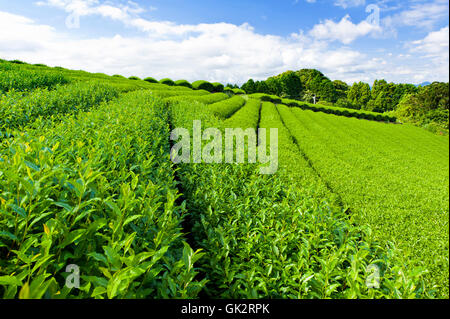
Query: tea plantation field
point(358, 208)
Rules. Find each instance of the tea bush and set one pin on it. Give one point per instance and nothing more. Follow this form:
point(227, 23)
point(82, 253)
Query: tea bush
point(168, 82)
point(218, 87)
point(23, 80)
point(226, 108)
point(17, 110)
point(17, 62)
point(203, 98)
point(151, 80)
point(203, 85)
point(238, 91)
point(269, 237)
point(89, 182)
point(247, 116)
point(266, 97)
point(96, 191)
point(183, 83)
point(178, 93)
point(228, 91)
point(370, 167)
point(340, 111)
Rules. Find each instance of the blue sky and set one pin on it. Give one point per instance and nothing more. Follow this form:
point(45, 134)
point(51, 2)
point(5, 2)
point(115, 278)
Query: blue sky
point(232, 41)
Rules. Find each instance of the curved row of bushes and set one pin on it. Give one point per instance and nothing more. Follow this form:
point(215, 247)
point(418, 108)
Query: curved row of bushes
point(183, 83)
point(372, 116)
point(266, 98)
point(203, 85)
point(204, 98)
point(227, 108)
point(246, 117)
point(231, 91)
point(16, 65)
point(24, 80)
point(17, 110)
point(273, 237)
point(106, 204)
point(150, 80)
point(218, 87)
point(167, 81)
point(177, 93)
point(238, 91)
point(215, 87)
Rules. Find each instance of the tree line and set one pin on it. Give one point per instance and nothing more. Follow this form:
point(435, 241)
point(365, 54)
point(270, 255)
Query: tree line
point(423, 105)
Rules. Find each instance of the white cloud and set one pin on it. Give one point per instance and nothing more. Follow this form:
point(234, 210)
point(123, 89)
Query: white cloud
point(220, 52)
point(349, 3)
point(434, 48)
point(344, 31)
point(217, 52)
point(27, 35)
point(420, 15)
point(82, 8)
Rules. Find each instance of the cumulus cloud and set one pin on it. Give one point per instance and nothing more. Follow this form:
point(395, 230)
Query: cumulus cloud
point(420, 15)
point(221, 52)
point(344, 31)
point(435, 48)
point(91, 7)
point(23, 34)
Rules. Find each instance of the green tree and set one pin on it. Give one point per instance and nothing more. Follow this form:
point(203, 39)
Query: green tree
point(409, 108)
point(316, 82)
point(345, 103)
point(400, 91)
point(315, 85)
point(382, 95)
point(380, 104)
point(249, 87)
point(386, 96)
point(359, 94)
point(378, 87)
point(435, 96)
point(274, 86)
point(291, 85)
point(262, 87)
point(341, 88)
point(430, 105)
point(327, 91)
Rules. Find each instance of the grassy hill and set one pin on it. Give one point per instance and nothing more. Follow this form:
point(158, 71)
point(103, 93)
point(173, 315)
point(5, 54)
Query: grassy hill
point(358, 208)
